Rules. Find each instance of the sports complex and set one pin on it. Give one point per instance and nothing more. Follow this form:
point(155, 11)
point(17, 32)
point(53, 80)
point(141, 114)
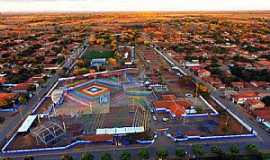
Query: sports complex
point(96, 110)
point(125, 107)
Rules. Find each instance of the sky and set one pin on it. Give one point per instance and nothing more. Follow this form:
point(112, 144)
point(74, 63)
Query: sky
point(131, 5)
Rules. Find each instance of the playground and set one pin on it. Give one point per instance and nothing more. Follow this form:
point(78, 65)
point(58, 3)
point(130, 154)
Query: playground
point(85, 109)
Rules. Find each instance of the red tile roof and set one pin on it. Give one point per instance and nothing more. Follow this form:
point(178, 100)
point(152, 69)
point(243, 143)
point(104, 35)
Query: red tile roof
point(3, 80)
point(22, 86)
point(253, 101)
point(170, 102)
point(5, 97)
point(246, 94)
point(263, 113)
point(264, 63)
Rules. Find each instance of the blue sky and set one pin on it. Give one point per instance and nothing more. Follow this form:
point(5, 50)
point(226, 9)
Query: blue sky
point(132, 5)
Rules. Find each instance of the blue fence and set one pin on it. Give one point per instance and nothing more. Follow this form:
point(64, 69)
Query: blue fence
point(196, 138)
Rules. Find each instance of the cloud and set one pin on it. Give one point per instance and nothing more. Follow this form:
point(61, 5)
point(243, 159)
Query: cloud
point(132, 5)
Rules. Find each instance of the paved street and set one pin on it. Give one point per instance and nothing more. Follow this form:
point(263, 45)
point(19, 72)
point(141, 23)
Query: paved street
point(12, 123)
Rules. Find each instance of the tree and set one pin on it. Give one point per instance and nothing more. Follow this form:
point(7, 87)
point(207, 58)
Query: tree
point(266, 100)
point(22, 99)
point(197, 150)
point(180, 152)
point(87, 156)
point(234, 151)
point(218, 151)
point(162, 154)
point(106, 156)
point(252, 149)
point(125, 155)
point(144, 154)
point(67, 157)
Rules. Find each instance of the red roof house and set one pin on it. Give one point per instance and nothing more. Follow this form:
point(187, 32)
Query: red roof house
point(241, 97)
point(175, 106)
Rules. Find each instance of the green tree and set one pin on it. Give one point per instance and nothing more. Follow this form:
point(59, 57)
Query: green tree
point(125, 155)
point(162, 154)
point(198, 150)
point(252, 149)
point(22, 99)
point(234, 151)
point(266, 100)
point(180, 152)
point(106, 156)
point(144, 154)
point(218, 151)
point(87, 156)
point(67, 157)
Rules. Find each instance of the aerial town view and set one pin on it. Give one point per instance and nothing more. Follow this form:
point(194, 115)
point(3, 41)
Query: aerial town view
point(157, 85)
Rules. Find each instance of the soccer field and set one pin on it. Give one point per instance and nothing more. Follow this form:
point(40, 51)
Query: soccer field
point(98, 54)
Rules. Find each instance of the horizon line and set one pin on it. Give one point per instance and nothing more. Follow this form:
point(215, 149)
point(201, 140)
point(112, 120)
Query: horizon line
point(143, 11)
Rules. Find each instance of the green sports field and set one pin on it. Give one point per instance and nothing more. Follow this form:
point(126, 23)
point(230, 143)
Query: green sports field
point(98, 54)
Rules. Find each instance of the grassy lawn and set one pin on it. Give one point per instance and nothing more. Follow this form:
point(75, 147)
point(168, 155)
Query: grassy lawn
point(98, 54)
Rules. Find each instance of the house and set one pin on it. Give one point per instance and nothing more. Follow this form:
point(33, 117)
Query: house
point(203, 73)
point(215, 82)
point(254, 104)
point(6, 99)
point(238, 85)
point(241, 97)
point(23, 88)
point(262, 115)
point(260, 84)
point(2, 79)
point(169, 103)
point(193, 63)
point(263, 64)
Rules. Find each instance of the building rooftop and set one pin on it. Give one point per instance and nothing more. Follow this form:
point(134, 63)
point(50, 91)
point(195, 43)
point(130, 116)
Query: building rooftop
point(177, 106)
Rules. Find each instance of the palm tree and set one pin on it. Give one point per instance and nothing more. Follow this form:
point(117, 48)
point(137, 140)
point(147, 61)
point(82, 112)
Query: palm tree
point(125, 155)
point(180, 153)
point(106, 156)
point(197, 150)
point(144, 154)
point(87, 156)
point(162, 154)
